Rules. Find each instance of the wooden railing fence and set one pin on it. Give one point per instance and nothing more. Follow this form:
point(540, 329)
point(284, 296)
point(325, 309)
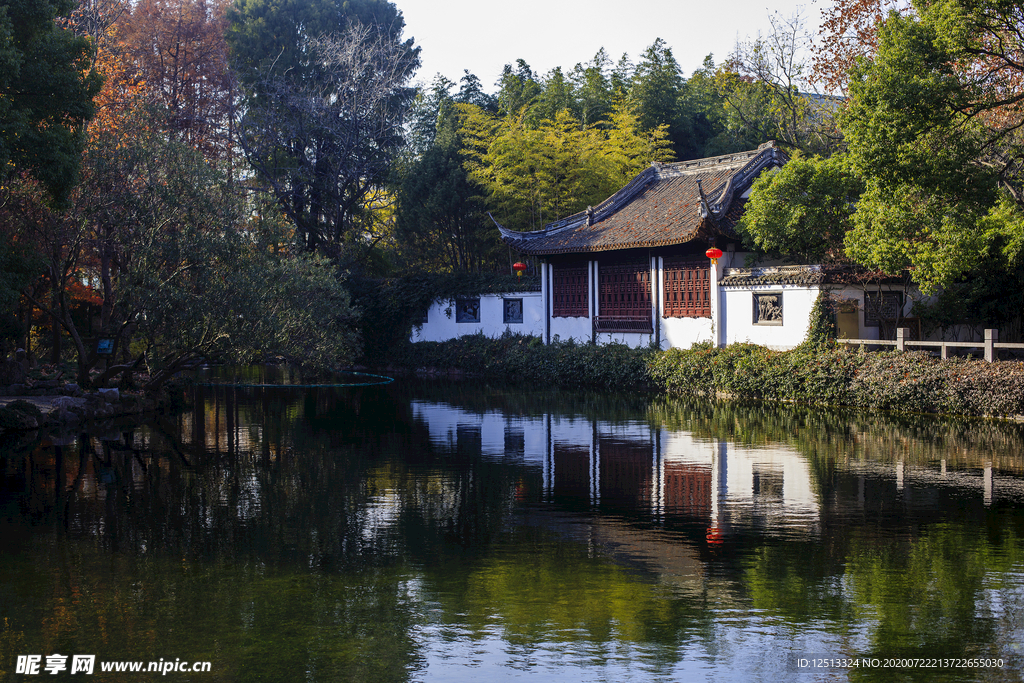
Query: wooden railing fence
point(902, 341)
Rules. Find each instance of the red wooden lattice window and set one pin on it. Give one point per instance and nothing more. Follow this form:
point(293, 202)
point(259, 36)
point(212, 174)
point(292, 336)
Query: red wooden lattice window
point(625, 290)
point(569, 291)
point(687, 289)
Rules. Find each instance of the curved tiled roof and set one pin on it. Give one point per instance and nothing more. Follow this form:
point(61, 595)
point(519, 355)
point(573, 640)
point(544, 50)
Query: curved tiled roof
point(666, 204)
point(832, 274)
point(777, 275)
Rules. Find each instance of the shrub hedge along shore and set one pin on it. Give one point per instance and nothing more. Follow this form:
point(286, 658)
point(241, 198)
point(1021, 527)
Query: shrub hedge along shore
point(815, 373)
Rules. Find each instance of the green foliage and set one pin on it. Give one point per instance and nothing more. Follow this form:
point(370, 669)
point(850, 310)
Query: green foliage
point(915, 382)
point(803, 210)
point(326, 93)
point(826, 374)
point(18, 267)
point(440, 215)
point(822, 327)
point(46, 92)
point(536, 174)
point(913, 140)
point(523, 359)
point(654, 90)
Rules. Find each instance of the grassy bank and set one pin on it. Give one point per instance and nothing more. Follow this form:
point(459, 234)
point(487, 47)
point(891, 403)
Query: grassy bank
point(822, 374)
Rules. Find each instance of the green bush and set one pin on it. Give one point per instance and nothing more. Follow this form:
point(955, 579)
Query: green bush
point(519, 358)
point(823, 374)
point(912, 382)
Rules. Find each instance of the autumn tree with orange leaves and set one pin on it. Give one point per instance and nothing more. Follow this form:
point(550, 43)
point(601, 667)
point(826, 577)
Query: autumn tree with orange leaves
point(156, 237)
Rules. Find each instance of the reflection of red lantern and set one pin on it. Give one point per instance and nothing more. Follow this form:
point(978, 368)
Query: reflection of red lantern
point(519, 267)
point(714, 536)
point(714, 253)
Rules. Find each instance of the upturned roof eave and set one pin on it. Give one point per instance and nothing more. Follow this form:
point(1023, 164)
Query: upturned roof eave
point(745, 170)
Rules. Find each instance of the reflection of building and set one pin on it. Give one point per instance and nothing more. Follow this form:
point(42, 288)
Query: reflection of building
point(636, 466)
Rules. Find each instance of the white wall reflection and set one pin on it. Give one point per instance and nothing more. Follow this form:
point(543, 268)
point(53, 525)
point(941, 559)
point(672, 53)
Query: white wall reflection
point(639, 465)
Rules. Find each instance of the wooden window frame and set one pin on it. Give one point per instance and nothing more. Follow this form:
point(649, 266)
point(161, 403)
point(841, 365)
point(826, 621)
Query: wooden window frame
point(570, 290)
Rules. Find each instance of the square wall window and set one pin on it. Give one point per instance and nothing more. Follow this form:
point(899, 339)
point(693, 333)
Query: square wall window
point(767, 308)
point(884, 307)
point(512, 311)
point(467, 310)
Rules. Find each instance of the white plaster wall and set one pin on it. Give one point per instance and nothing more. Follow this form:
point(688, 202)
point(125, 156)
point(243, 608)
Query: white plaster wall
point(738, 308)
point(633, 340)
point(579, 329)
point(682, 333)
point(441, 324)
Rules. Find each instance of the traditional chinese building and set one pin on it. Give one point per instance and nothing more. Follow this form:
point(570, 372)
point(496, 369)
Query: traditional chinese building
point(633, 268)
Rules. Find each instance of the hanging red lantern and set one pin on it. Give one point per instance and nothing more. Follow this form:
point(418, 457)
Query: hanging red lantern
point(714, 253)
point(519, 267)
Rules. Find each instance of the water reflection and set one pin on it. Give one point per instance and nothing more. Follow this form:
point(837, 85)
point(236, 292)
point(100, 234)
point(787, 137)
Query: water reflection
point(423, 532)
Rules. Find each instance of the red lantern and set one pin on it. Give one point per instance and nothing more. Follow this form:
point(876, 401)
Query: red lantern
point(519, 267)
point(714, 253)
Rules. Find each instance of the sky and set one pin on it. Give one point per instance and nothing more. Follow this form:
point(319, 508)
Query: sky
point(483, 36)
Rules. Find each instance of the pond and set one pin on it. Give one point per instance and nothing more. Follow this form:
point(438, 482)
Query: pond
point(463, 532)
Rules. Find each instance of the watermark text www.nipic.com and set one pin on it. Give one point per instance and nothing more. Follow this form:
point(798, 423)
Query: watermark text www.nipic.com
point(86, 664)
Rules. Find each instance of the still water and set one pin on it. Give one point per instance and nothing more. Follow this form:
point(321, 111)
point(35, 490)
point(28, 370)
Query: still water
point(429, 532)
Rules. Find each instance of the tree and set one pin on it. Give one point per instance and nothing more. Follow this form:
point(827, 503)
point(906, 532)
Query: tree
point(180, 272)
point(849, 31)
point(517, 89)
point(914, 135)
point(655, 86)
point(533, 175)
point(556, 95)
point(802, 211)
point(769, 91)
point(19, 266)
point(440, 213)
point(593, 89)
point(325, 109)
point(179, 52)
point(46, 91)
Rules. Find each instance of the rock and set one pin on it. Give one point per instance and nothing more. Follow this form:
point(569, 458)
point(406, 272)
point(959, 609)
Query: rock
point(110, 395)
point(20, 416)
point(12, 372)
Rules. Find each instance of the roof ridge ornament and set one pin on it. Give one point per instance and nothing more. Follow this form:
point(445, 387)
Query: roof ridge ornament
point(704, 209)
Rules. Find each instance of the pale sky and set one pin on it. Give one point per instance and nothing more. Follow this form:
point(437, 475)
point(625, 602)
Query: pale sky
point(484, 36)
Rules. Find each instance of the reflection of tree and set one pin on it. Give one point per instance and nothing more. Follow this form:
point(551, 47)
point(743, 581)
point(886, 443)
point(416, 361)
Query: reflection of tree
point(560, 594)
point(928, 594)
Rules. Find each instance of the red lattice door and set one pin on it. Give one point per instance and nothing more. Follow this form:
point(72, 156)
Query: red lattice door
point(687, 289)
